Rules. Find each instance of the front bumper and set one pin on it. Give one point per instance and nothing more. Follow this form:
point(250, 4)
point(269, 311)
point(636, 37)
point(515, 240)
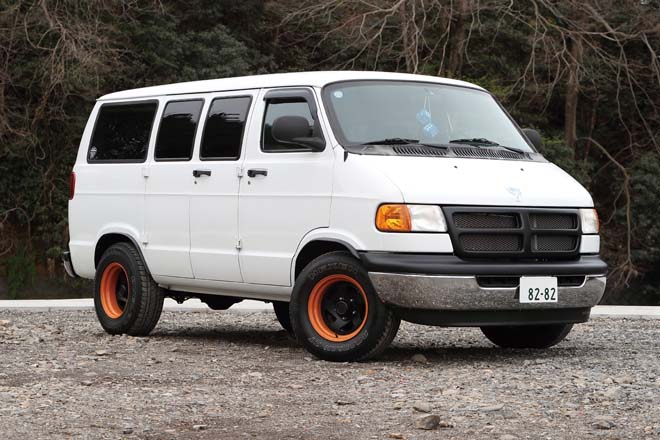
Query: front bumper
point(438, 292)
point(448, 283)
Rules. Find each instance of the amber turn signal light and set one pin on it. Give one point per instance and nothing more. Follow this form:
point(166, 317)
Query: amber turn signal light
point(393, 218)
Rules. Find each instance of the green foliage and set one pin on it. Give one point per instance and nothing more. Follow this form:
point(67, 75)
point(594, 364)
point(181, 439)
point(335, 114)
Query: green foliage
point(557, 152)
point(645, 184)
point(165, 54)
point(61, 56)
point(493, 85)
point(21, 270)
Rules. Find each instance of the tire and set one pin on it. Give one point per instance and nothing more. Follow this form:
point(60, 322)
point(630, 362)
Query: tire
point(527, 336)
point(330, 282)
point(281, 309)
point(126, 298)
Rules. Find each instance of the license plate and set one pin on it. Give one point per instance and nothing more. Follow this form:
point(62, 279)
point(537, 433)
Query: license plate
point(538, 290)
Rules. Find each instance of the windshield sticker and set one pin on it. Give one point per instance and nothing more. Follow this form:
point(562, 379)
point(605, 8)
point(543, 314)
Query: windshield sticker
point(338, 94)
point(426, 120)
point(424, 117)
point(431, 130)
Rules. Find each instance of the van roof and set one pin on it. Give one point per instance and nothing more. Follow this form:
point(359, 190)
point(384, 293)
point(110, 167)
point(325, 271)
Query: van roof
point(312, 79)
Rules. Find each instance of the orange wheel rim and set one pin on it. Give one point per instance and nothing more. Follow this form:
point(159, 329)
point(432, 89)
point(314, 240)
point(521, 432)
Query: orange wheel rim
point(114, 290)
point(338, 308)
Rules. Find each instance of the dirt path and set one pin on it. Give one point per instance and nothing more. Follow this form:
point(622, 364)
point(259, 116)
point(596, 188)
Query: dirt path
point(237, 375)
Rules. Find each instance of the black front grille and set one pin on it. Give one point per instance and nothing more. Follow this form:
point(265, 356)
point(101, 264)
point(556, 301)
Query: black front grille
point(553, 221)
point(487, 242)
point(478, 220)
point(488, 232)
point(554, 243)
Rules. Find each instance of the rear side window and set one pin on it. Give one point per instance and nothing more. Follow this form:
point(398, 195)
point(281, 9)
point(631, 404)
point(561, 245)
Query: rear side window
point(122, 132)
point(176, 134)
point(223, 132)
point(276, 109)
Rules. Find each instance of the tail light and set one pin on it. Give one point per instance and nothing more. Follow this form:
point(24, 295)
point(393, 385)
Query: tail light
point(72, 185)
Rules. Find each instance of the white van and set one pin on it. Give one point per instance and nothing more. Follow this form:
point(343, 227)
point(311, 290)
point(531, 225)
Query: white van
point(351, 200)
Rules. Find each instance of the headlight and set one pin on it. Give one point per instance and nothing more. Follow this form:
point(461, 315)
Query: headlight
point(410, 218)
point(589, 220)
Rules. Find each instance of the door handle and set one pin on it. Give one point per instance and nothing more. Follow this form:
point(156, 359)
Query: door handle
point(200, 173)
point(257, 172)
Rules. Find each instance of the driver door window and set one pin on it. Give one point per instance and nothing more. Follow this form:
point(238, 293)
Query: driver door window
point(277, 109)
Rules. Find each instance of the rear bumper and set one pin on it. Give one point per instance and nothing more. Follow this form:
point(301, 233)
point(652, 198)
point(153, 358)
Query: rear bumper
point(446, 283)
point(68, 266)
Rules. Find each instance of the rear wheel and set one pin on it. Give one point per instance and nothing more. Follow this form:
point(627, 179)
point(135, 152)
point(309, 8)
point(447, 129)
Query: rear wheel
point(336, 313)
point(126, 298)
point(281, 309)
point(527, 336)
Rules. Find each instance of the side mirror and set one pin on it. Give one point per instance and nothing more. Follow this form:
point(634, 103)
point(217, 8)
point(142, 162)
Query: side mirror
point(534, 137)
point(295, 130)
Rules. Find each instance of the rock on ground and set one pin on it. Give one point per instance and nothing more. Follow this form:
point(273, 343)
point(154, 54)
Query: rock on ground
point(209, 375)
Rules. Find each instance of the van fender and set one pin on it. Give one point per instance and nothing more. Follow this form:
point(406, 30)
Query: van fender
point(348, 240)
point(127, 231)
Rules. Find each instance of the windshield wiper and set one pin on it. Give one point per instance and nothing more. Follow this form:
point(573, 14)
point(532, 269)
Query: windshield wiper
point(404, 141)
point(474, 141)
point(483, 142)
point(392, 141)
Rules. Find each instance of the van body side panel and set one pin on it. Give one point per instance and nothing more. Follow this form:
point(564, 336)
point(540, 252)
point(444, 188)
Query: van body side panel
point(359, 189)
point(277, 210)
point(214, 206)
point(109, 198)
point(167, 219)
point(167, 227)
point(214, 200)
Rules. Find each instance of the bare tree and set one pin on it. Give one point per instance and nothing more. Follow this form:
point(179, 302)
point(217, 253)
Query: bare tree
point(578, 52)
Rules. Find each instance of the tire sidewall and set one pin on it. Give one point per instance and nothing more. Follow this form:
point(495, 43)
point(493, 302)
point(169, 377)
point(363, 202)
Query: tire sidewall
point(360, 344)
point(118, 254)
point(282, 313)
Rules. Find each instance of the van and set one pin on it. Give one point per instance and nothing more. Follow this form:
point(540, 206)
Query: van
point(350, 200)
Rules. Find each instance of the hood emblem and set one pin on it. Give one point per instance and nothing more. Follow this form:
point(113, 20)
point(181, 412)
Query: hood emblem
point(515, 192)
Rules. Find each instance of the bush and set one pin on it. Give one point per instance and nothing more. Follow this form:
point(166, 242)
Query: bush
point(21, 271)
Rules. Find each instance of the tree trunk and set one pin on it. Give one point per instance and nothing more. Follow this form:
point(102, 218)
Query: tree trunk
point(572, 92)
point(407, 37)
point(458, 39)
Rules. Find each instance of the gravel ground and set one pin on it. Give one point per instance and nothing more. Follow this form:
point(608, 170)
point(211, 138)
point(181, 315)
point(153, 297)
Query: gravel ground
point(210, 375)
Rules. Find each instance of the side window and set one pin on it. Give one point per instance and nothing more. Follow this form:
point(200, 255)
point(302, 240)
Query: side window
point(224, 127)
point(176, 135)
point(279, 108)
point(122, 132)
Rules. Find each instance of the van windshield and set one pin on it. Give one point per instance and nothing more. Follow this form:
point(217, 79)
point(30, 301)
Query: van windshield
point(395, 112)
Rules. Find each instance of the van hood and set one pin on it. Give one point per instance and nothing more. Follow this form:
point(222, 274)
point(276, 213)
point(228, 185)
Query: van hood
point(482, 182)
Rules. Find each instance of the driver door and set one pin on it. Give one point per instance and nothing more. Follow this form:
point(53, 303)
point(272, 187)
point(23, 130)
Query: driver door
point(285, 191)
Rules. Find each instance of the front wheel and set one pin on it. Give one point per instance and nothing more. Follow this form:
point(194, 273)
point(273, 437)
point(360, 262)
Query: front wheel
point(527, 336)
point(335, 311)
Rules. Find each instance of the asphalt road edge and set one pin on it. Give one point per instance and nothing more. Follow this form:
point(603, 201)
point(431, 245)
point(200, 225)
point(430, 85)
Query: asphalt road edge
point(250, 306)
